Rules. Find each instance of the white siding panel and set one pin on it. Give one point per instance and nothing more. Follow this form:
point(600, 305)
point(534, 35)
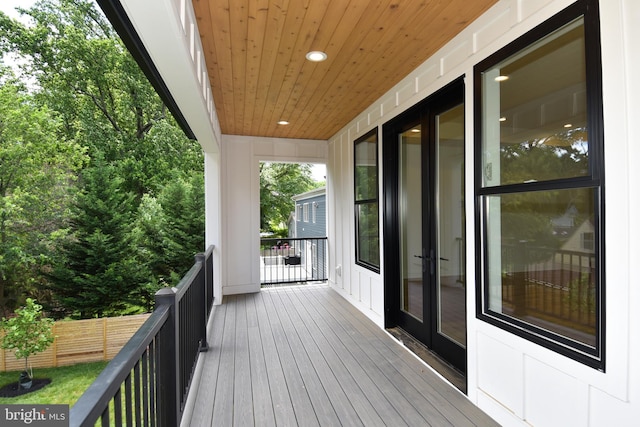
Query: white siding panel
point(426, 77)
point(405, 92)
point(241, 158)
point(374, 115)
point(387, 104)
point(284, 149)
point(553, 398)
point(313, 150)
point(530, 7)
point(503, 417)
point(377, 295)
point(606, 410)
point(500, 373)
point(346, 238)
point(456, 57)
point(363, 124)
point(504, 16)
point(238, 215)
point(263, 148)
point(630, 13)
point(365, 289)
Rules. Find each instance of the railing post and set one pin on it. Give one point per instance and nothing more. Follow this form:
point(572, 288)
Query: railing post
point(169, 361)
point(520, 279)
point(202, 259)
point(209, 281)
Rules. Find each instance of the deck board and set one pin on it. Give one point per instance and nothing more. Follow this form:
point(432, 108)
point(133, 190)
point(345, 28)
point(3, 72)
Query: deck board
point(261, 390)
point(413, 406)
point(303, 355)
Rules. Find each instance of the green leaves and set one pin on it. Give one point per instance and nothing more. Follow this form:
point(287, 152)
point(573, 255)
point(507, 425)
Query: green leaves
point(85, 151)
point(28, 332)
point(278, 183)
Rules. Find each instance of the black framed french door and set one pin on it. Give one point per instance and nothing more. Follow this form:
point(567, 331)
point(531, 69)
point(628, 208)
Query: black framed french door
point(424, 233)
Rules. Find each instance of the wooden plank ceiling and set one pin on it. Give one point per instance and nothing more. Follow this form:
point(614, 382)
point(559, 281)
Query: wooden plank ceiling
point(255, 55)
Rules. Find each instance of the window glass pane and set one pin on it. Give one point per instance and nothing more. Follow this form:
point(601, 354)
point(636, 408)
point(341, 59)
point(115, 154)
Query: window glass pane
point(368, 248)
point(539, 268)
point(534, 112)
point(366, 168)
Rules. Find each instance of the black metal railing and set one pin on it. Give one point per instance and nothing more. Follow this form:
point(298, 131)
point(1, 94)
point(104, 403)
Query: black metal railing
point(148, 380)
point(553, 284)
point(293, 260)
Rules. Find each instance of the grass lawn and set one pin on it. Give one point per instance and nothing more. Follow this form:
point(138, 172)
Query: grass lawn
point(67, 384)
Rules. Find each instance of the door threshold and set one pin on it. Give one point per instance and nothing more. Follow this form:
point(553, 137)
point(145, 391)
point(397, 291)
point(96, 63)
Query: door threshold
point(453, 375)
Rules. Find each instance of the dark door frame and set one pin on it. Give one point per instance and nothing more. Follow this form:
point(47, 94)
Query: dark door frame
point(422, 113)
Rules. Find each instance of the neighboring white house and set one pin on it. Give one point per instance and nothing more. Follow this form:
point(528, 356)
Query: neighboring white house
point(520, 372)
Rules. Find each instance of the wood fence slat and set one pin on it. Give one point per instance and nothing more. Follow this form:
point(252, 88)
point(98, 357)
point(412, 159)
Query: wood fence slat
point(80, 341)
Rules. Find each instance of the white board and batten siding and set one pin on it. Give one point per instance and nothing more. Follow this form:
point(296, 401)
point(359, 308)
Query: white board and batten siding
point(514, 380)
point(240, 183)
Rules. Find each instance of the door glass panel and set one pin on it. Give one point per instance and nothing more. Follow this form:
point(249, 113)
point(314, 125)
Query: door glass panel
point(410, 212)
point(449, 163)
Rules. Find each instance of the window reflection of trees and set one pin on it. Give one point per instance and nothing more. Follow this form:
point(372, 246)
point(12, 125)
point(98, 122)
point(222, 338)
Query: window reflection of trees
point(563, 154)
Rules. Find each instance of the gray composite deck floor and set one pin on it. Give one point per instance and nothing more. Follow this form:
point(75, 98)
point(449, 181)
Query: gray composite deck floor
point(304, 356)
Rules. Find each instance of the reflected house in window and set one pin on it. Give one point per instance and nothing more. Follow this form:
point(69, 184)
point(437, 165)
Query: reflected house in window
point(563, 225)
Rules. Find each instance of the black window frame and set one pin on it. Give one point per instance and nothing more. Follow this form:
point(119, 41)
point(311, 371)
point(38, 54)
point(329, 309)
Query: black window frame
point(371, 201)
point(593, 357)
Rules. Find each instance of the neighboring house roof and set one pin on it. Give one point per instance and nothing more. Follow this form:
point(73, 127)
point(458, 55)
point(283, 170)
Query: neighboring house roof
point(309, 194)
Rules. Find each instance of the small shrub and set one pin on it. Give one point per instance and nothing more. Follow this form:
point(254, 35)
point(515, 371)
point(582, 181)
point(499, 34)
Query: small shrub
point(28, 332)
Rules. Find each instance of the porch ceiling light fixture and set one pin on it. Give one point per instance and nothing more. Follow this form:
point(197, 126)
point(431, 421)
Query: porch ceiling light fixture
point(316, 56)
point(283, 122)
point(501, 78)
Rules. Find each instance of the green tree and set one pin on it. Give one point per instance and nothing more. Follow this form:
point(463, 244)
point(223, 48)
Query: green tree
point(84, 72)
point(28, 332)
point(99, 270)
point(37, 167)
point(279, 182)
point(526, 214)
point(170, 230)
point(181, 202)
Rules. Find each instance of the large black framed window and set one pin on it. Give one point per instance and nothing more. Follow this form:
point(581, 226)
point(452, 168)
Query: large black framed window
point(540, 186)
point(366, 201)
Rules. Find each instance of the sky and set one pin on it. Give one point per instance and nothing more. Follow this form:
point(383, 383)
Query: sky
point(319, 172)
point(9, 6)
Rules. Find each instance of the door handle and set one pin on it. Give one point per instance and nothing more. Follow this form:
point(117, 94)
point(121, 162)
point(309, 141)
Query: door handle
point(429, 259)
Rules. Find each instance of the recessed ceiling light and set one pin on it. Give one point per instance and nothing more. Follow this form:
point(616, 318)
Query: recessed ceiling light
point(501, 78)
point(283, 122)
point(568, 125)
point(316, 56)
point(503, 119)
point(415, 130)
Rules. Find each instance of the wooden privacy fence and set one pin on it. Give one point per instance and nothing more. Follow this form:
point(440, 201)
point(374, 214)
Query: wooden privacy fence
point(80, 341)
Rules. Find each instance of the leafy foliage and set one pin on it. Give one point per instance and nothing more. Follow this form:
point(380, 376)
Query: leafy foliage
point(122, 211)
point(170, 228)
point(279, 182)
point(37, 169)
point(99, 270)
point(28, 332)
point(106, 104)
